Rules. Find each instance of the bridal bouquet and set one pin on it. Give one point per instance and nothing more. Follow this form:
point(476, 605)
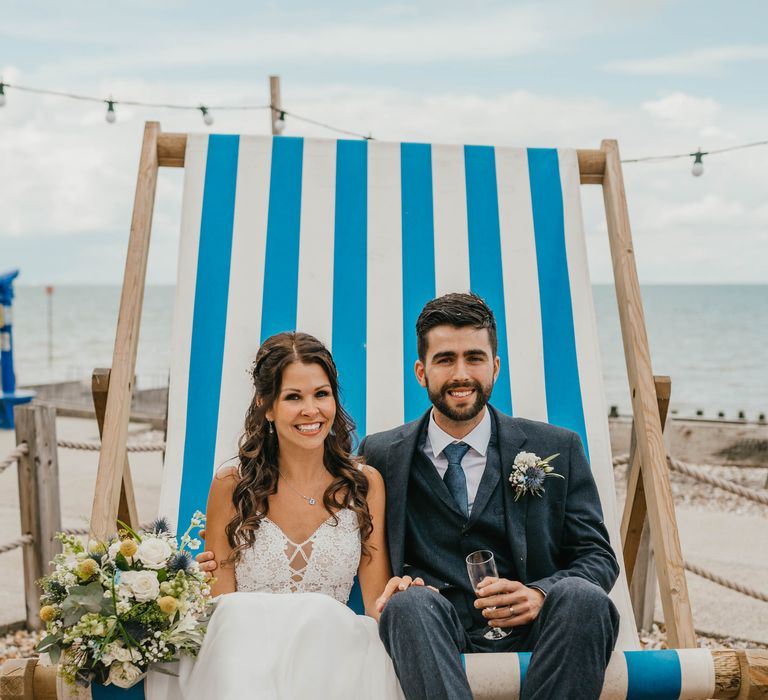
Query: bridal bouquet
point(112, 608)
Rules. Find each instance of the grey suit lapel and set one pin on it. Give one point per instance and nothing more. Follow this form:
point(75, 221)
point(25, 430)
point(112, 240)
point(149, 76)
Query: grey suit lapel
point(490, 478)
point(400, 457)
point(510, 440)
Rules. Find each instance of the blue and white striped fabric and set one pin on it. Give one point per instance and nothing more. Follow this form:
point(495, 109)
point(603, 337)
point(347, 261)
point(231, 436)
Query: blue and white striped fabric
point(669, 674)
point(347, 240)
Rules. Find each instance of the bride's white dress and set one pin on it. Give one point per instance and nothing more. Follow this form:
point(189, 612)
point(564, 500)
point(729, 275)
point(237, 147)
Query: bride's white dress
point(287, 632)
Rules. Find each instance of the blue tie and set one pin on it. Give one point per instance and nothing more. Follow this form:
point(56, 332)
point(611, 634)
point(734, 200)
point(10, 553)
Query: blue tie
point(454, 477)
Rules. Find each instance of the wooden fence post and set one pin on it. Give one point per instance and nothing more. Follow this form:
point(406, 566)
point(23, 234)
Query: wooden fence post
point(39, 504)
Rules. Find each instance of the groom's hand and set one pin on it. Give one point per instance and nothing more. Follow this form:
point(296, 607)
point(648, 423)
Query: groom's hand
point(514, 603)
point(205, 559)
point(395, 585)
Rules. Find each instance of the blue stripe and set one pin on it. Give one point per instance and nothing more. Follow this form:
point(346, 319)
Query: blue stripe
point(208, 324)
point(355, 601)
point(485, 274)
point(524, 659)
point(653, 675)
point(112, 692)
point(350, 255)
point(561, 370)
point(418, 246)
point(281, 258)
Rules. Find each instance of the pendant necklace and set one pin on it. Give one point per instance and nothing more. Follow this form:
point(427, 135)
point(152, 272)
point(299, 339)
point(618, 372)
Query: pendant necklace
point(308, 499)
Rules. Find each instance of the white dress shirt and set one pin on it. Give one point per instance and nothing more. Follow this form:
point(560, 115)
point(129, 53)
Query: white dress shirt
point(474, 460)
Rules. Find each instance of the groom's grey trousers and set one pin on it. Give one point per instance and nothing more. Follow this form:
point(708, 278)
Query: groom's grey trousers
point(571, 640)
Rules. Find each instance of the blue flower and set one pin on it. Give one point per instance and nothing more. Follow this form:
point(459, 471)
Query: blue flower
point(535, 478)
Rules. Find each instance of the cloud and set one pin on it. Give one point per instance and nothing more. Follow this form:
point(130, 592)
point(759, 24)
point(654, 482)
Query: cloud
point(693, 62)
point(680, 110)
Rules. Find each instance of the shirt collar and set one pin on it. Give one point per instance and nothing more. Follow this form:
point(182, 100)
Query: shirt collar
point(478, 439)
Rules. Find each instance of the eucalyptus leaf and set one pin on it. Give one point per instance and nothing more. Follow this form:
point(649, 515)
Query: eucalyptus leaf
point(54, 654)
point(121, 562)
point(89, 597)
point(47, 642)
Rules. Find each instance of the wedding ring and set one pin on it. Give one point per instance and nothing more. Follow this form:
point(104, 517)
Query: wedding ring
point(511, 611)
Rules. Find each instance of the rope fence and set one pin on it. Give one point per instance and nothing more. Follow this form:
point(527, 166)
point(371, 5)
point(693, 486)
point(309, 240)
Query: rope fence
point(700, 474)
point(13, 455)
point(96, 446)
point(15, 544)
point(724, 582)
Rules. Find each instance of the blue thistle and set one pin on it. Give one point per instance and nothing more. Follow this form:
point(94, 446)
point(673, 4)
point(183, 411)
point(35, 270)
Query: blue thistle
point(182, 561)
point(535, 478)
point(160, 526)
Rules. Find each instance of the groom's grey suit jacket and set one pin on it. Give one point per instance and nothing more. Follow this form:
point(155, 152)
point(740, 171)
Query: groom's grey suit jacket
point(560, 534)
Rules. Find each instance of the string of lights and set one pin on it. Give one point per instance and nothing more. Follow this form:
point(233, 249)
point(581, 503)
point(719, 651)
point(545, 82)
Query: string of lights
point(697, 168)
point(205, 110)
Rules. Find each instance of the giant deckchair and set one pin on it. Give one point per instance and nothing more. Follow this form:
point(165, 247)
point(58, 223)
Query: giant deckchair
point(347, 240)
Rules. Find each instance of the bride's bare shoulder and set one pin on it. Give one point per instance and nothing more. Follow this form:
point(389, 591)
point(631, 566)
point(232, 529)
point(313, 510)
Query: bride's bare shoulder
point(375, 480)
point(224, 481)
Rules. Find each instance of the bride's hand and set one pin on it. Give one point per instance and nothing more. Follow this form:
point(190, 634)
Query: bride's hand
point(205, 559)
point(397, 584)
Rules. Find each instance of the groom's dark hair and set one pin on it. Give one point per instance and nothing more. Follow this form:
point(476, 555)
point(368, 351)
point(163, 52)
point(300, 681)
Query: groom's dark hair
point(459, 311)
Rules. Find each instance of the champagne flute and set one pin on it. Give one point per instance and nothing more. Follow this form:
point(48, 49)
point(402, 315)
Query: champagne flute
point(480, 565)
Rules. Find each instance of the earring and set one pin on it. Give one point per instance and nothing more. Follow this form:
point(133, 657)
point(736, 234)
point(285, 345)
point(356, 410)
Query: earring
point(271, 427)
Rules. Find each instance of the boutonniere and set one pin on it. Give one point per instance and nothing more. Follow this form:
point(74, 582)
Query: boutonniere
point(529, 472)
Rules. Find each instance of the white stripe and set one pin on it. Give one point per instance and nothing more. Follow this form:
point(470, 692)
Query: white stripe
point(591, 379)
point(616, 682)
point(525, 344)
point(314, 312)
point(246, 286)
point(697, 670)
point(449, 197)
point(181, 337)
point(384, 350)
point(493, 676)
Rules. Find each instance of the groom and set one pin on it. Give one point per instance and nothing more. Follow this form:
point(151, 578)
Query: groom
point(449, 494)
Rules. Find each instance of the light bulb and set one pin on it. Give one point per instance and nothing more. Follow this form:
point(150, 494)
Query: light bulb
point(280, 121)
point(207, 116)
point(2, 94)
point(698, 166)
point(111, 116)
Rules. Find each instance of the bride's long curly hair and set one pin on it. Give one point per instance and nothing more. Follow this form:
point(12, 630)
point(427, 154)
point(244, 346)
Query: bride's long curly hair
point(258, 448)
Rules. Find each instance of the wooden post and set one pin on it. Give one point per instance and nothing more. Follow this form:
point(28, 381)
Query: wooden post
point(642, 582)
point(109, 477)
point(650, 444)
point(126, 511)
point(274, 103)
point(39, 505)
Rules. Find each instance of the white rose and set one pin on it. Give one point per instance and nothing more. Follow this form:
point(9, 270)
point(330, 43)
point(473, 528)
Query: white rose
point(114, 548)
point(143, 584)
point(154, 552)
point(124, 674)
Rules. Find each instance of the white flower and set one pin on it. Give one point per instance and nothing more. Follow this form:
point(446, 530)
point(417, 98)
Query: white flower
point(526, 459)
point(114, 548)
point(154, 552)
point(143, 584)
point(194, 544)
point(124, 674)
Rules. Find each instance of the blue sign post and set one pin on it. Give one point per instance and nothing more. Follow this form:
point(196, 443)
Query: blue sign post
point(9, 396)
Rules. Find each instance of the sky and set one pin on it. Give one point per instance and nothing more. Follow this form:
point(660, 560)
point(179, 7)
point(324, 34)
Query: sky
point(661, 77)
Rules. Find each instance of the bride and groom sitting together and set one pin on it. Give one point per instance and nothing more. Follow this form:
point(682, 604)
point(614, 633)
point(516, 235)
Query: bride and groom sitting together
point(301, 514)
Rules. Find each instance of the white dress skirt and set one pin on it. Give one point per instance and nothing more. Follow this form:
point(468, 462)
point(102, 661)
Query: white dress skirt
point(287, 634)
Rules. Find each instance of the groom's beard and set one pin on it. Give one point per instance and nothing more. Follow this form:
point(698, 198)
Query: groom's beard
point(440, 400)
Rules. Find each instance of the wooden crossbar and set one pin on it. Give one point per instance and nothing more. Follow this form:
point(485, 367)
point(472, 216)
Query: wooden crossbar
point(601, 166)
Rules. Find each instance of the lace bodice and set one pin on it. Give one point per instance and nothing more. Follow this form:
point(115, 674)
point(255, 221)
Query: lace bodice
point(325, 563)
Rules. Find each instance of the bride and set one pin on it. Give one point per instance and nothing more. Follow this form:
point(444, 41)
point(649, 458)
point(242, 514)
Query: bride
point(297, 515)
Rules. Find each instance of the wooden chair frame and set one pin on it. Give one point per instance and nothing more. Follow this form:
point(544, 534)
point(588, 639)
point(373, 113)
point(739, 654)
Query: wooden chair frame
point(648, 490)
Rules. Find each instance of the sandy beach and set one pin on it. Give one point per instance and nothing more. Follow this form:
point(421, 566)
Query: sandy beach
point(718, 531)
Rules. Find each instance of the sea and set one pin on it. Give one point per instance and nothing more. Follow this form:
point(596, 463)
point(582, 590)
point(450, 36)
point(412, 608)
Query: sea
point(711, 339)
